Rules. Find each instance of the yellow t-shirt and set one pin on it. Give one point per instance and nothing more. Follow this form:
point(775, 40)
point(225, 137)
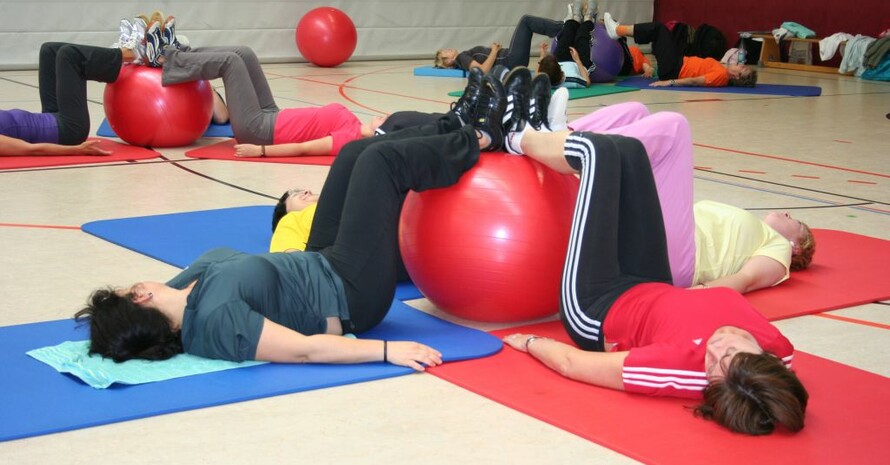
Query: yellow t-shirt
point(293, 230)
point(726, 237)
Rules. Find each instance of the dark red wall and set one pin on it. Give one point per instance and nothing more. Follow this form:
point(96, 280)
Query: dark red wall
point(825, 17)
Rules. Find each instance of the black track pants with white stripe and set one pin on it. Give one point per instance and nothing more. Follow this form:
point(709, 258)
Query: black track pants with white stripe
point(617, 238)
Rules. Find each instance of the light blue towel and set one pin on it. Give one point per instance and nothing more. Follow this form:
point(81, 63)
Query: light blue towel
point(798, 30)
point(73, 357)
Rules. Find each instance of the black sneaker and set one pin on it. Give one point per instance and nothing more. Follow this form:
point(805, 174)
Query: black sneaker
point(499, 72)
point(490, 112)
point(540, 101)
point(517, 87)
point(464, 108)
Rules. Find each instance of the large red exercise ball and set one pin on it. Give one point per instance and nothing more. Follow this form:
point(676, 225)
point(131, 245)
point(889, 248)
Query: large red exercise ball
point(606, 55)
point(326, 36)
point(491, 247)
point(142, 112)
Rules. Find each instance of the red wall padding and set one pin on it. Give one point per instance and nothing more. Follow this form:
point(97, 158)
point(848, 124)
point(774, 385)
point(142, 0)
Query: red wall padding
point(825, 17)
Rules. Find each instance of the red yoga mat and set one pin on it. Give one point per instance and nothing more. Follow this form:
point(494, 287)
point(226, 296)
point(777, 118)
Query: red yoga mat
point(848, 269)
point(846, 418)
point(225, 151)
point(119, 152)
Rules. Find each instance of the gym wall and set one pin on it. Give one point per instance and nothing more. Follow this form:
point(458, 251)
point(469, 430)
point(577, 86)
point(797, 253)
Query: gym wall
point(387, 29)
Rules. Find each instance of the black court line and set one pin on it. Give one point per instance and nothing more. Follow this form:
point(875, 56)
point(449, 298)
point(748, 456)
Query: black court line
point(791, 186)
point(220, 181)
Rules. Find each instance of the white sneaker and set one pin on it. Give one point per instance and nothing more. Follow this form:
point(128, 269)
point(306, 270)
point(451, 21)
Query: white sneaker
point(570, 15)
point(611, 26)
point(126, 29)
point(136, 40)
point(557, 111)
point(592, 10)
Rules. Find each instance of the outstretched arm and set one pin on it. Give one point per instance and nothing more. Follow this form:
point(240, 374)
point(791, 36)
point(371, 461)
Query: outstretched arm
point(314, 147)
point(283, 345)
point(691, 81)
point(12, 147)
point(758, 272)
point(598, 368)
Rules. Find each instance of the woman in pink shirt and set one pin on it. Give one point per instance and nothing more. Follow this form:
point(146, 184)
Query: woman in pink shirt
point(258, 124)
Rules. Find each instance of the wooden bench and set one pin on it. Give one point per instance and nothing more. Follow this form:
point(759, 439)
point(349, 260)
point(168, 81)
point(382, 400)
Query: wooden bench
point(771, 57)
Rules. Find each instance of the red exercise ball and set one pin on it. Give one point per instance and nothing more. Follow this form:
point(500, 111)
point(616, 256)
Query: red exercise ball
point(491, 247)
point(326, 36)
point(144, 113)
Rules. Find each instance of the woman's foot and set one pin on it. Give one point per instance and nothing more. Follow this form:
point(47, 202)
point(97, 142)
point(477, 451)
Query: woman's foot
point(539, 102)
point(611, 26)
point(591, 10)
point(489, 113)
point(125, 30)
point(154, 45)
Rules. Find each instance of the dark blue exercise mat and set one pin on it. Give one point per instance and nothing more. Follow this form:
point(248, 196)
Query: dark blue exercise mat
point(179, 238)
point(639, 82)
point(214, 130)
point(38, 400)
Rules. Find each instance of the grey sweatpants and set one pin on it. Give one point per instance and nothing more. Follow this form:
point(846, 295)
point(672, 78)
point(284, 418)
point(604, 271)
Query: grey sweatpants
point(252, 109)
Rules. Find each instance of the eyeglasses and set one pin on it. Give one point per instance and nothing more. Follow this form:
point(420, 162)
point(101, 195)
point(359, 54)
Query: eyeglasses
point(294, 192)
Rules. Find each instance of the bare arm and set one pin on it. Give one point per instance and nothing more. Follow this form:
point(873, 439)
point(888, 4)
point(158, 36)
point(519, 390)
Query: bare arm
point(758, 272)
point(280, 344)
point(314, 147)
point(690, 81)
point(12, 147)
point(489, 61)
point(598, 368)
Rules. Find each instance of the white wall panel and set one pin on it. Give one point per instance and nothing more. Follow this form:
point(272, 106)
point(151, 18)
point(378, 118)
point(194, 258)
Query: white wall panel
point(387, 29)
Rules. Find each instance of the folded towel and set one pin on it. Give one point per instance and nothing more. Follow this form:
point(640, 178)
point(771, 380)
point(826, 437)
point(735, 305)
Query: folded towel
point(73, 357)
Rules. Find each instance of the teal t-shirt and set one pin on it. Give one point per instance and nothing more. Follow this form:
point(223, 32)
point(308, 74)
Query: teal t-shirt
point(235, 291)
point(573, 79)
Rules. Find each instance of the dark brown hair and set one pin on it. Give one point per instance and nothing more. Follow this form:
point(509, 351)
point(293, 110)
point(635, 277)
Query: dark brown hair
point(121, 330)
point(549, 66)
point(757, 393)
point(749, 80)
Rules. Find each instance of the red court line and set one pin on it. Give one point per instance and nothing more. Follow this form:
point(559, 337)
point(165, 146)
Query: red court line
point(775, 157)
point(752, 171)
point(853, 320)
point(804, 176)
point(38, 226)
point(861, 182)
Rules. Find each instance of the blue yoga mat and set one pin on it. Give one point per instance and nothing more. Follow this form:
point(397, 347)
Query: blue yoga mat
point(214, 130)
point(38, 400)
point(179, 238)
point(430, 70)
point(639, 82)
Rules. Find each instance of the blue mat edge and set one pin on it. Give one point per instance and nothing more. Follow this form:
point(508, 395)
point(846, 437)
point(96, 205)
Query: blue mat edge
point(637, 82)
point(214, 130)
point(429, 70)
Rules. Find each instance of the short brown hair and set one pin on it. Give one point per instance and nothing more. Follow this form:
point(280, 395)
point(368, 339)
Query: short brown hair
point(807, 245)
point(757, 393)
point(750, 80)
point(549, 66)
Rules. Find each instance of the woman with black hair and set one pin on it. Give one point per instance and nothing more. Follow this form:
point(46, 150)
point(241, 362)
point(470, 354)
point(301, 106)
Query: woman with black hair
point(295, 307)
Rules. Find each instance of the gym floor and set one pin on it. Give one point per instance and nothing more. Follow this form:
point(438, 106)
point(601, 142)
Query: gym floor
point(822, 158)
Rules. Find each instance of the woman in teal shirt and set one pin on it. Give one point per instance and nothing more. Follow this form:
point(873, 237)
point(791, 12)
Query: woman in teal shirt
point(295, 307)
